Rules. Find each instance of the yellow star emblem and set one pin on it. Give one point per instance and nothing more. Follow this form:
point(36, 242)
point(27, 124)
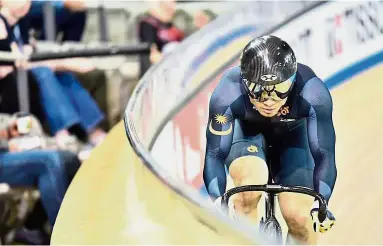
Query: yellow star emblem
point(220, 119)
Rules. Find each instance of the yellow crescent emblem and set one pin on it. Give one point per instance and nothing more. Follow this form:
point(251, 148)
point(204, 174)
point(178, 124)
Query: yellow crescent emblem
point(220, 133)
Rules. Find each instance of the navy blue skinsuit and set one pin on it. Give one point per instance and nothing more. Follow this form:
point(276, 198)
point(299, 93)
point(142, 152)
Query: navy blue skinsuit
point(299, 140)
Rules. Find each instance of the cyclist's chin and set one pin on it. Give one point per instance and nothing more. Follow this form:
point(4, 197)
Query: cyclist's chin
point(268, 113)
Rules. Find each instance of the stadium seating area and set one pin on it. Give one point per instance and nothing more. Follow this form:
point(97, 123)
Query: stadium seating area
point(110, 83)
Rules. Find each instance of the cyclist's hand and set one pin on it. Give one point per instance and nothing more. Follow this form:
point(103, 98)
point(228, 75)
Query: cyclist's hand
point(230, 213)
point(324, 226)
point(217, 204)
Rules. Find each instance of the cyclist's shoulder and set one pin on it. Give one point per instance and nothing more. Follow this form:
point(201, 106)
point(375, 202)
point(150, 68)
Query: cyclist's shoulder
point(305, 72)
point(307, 80)
point(230, 77)
point(233, 73)
point(312, 91)
point(228, 88)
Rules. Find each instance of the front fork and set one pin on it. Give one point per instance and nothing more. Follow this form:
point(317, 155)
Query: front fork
point(269, 225)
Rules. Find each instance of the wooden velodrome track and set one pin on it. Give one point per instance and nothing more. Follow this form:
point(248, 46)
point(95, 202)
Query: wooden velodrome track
point(358, 119)
point(114, 199)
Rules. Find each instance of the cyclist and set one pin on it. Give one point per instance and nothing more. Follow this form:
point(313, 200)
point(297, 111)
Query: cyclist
point(271, 105)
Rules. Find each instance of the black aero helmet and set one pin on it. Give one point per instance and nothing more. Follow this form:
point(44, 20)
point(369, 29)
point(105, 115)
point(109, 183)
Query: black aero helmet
point(268, 67)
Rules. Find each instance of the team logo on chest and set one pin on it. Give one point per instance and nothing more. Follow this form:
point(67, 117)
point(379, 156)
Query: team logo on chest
point(283, 111)
point(252, 149)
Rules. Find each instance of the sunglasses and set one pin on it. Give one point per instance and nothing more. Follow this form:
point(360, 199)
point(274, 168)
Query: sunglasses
point(277, 92)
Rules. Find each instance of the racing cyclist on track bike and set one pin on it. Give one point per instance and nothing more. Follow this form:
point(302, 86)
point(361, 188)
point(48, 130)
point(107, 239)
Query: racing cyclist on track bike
point(272, 105)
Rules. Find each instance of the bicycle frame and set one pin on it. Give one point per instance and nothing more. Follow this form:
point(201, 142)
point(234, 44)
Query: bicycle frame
point(269, 225)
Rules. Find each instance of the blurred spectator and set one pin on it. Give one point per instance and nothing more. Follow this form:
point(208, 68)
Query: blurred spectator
point(23, 162)
point(63, 99)
point(73, 104)
point(202, 18)
point(70, 19)
point(157, 29)
point(9, 102)
point(95, 82)
point(183, 20)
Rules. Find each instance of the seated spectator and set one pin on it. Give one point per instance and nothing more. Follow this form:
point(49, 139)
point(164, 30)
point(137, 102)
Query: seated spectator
point(65, 102)
point(25, 162)
point(157, 29)
point(202, 18)
point(9, 102)
point(70, 19)
point(74, 105)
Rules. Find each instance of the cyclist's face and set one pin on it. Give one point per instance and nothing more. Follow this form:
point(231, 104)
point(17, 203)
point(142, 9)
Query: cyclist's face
point(268, 108)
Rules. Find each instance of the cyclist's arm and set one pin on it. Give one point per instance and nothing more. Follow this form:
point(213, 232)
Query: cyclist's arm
point(219, 138)
point(321, 136)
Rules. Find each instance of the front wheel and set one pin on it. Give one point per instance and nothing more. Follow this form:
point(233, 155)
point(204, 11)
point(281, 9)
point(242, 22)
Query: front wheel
point(272, 231)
